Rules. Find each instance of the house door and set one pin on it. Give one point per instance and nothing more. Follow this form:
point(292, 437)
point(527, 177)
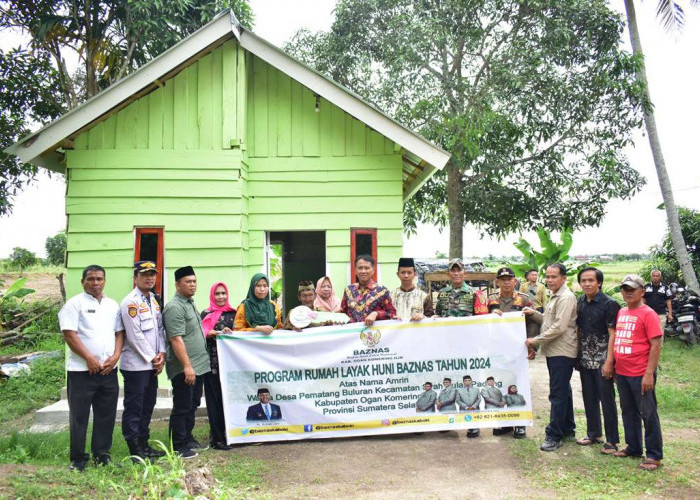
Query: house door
point(294, 256)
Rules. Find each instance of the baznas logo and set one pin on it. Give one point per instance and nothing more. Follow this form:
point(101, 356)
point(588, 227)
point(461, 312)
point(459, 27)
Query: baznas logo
point(370, 336)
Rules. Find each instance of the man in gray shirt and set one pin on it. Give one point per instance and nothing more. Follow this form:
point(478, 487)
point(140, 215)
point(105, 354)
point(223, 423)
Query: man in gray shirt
point(426, 401)
point(186, 361)
point(446, 398)
point(468, 399)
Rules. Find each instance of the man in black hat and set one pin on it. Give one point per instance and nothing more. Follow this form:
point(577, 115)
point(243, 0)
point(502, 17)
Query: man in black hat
point(143, 358)
point(186, 361)
point(411, 302)
point(264, 410)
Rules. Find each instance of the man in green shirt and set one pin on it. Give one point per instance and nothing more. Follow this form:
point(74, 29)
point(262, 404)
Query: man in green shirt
point(186, 361)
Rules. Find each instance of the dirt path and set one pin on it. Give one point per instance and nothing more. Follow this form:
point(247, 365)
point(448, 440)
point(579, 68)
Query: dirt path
point(44, 284)
point(430, 465)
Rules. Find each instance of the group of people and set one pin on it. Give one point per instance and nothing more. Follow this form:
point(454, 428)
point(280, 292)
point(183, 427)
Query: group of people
point(145, 340)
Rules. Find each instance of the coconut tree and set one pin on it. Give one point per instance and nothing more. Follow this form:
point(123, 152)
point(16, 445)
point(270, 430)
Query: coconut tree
point(673, 19)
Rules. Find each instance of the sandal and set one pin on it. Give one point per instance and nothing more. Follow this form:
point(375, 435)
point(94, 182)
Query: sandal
point(650, 464)
point(589, 441)
point(625, 454)
point(609, 449)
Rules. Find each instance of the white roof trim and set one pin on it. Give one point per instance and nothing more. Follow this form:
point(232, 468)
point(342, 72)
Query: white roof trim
point(31, 148)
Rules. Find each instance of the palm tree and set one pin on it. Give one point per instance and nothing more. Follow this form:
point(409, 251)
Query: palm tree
point(672, 18)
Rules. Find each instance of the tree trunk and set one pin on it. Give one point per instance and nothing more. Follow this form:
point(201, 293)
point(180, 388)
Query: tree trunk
point(674, 224)
point(454, 210)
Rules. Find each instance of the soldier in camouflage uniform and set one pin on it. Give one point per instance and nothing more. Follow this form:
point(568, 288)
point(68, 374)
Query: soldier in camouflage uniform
point(458, 298)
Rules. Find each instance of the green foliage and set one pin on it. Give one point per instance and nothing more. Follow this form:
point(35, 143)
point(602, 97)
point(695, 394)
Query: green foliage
point(33, 390)
point(21, 258)
point(15, 291)
point(550, 253)
point(534, 100)
point(56, 249)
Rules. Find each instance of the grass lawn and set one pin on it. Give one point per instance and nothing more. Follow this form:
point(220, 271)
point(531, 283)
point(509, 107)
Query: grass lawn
point(582, 472)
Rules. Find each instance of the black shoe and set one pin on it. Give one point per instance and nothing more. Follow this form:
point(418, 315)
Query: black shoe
point(138, 454)
point(186, 453)
point(548, 445)
point(104, 461)
point(222, 446)
point(150, 452)
point(499, 431)
point(78, 466)
point(193, 444)
point(473, 433)
point(519, 432)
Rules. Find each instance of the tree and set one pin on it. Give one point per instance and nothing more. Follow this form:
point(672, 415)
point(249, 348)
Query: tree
point(56, 249)
point(21, 258)
point(534, 100)
point(110, 37)
point(672, 17)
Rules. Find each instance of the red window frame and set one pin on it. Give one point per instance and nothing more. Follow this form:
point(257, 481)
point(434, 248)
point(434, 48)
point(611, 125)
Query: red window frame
point(353, 250)
point(159, 259)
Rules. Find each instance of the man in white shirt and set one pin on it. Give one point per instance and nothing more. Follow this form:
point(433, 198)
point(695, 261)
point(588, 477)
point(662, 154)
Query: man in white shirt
point(93, 329)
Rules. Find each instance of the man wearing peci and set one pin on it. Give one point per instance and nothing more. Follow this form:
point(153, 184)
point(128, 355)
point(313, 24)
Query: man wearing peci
point(468, 399)
point(447, 397)
point(264, 410)
point(411, 302)
point(426, 401)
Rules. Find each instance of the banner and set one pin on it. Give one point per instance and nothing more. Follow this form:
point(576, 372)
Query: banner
point(351, 380)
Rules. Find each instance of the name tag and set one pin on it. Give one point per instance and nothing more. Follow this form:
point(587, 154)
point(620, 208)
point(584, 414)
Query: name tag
point(91, 311)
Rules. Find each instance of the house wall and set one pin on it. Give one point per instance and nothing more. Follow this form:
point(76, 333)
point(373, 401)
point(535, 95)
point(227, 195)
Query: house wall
point(225, 150)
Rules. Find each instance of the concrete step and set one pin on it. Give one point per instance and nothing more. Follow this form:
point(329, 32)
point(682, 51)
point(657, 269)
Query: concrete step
point(55, 417)
point(163, 392)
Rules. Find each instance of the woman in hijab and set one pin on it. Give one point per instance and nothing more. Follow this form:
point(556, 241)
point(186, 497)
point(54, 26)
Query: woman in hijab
point(326, 300)
point(257, 313)
point(217, 318)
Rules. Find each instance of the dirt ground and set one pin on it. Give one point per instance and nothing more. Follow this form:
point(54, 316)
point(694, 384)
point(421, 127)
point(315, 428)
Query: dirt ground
point(45, 285)
point(430, 465)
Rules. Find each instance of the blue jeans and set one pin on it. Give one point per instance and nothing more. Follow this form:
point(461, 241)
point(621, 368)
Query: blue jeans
point(637, 408)
point(561, 414)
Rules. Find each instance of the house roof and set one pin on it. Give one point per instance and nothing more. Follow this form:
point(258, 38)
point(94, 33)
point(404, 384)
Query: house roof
point(45, 147)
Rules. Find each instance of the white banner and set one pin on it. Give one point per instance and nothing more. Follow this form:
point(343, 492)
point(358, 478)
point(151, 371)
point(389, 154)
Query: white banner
point(351, 380)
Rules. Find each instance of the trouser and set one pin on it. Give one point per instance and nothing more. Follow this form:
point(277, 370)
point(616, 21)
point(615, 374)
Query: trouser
point(561, 414)
point(599, 392)
point(186, 399)
point(99, 392)
point(140, 392)
point(215, 408)
point(637, 408)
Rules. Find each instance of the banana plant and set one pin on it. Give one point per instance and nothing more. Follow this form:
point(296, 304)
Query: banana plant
point(550, 253)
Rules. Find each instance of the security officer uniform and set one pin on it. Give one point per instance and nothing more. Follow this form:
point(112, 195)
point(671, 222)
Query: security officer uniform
point(145, 339)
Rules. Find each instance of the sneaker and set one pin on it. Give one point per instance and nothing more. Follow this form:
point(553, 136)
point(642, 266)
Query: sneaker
point(548, 445)
point(473, 433)
point(193, 444)
point(78, 466)
point(222, 446)
point(519, 432)
point(186, 453)
point(500, 431)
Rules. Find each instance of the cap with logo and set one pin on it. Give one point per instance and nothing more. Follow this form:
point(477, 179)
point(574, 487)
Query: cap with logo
point(145, 266)
point(456, 262)
point(633, 281)
point(505, 272)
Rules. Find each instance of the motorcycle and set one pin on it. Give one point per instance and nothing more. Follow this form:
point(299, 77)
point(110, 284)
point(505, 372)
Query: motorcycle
point(688, 318)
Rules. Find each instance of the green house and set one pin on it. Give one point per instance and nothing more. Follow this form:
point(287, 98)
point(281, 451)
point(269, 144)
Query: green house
point(220, 149)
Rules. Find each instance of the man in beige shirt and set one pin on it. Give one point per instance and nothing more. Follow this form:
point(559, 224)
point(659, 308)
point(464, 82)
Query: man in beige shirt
point(558, 343)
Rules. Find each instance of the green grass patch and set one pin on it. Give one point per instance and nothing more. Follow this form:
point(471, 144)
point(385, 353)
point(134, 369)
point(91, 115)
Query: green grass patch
point(615, 271)
point(29, 391)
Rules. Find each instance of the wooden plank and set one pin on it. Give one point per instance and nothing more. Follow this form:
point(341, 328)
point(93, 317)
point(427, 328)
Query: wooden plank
point(376, 141)
point(351, 188)
point(241, 93)
point(146, 158)
point(323, 176)
point(260, 93)
point(192, 99)
point(180, 110)
point(385, 237)
point(297, 164)
point(388, 146)
point(325, 127)
point(229, 91)
point(332, 204)
point(337, 131)
point(311, 124)
point(106, 258)
point(109, 132)
point(205, 102)
point(250, 106)
point(127, 126)
point(154, 187)
point(88, 174)
point(142, 130)
point(169, 115)
point(91, 222)
point(323, 221)
point(358, 137)
point(272, 98)
point(100, 241)
point(137, 206)
point(284, 114)
point(210, 257)
point(155, 119)
point(217, 100)
point(81, 142)
point(204, 239)
point(95, 137)
point(297, 129)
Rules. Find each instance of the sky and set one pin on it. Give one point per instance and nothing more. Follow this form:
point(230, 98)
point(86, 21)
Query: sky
point(673, 68)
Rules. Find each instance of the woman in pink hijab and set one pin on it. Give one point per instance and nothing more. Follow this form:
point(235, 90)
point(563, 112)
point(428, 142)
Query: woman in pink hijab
point(326, 300)
point(217, 318)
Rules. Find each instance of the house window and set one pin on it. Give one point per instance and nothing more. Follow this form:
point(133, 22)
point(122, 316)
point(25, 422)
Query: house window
point(148, 245)
point(362, 242)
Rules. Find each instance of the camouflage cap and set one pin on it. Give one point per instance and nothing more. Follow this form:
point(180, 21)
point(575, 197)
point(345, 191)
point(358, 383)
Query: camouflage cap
point(455, 262)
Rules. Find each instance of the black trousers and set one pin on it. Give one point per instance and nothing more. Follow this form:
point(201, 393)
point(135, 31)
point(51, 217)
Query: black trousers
point(215, 408)
point(140, 392)
point(99, 392)
point(186, 399)
point(599, 392)
point(561, 414)
point(637, 408)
